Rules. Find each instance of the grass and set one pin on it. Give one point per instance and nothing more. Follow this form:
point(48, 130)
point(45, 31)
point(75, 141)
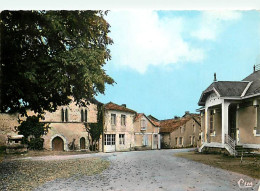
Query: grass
point(250, 165)
point(28, 175)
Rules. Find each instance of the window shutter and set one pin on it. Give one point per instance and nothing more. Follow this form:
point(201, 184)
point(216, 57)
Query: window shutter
point(86, 115)
point(62, 114)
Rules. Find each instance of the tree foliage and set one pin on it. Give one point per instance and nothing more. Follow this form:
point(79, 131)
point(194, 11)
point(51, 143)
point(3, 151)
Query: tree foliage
point(32, 128)
point(95, 130)
point(48, 57)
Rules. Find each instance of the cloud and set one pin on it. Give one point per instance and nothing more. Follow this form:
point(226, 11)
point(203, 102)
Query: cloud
point(211, 24)
point(142, 39)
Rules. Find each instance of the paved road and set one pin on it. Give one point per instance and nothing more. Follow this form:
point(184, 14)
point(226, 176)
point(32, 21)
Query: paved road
point(152, 170)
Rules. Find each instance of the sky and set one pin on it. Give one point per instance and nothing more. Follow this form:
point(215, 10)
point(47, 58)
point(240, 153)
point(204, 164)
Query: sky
point(163, 60)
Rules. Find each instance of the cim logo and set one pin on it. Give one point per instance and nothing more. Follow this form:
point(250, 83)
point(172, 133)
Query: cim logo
point(244, 184)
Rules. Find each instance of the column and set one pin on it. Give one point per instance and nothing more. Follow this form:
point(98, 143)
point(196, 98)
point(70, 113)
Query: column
point(224, 109)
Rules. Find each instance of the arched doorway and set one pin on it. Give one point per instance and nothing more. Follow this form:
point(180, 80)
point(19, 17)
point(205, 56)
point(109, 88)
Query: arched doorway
point(82, 143)
point(57, 144)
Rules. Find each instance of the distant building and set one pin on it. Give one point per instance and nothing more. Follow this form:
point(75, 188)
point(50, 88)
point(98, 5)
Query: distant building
point(146, 132)
point(180, 132)
point(230, 114)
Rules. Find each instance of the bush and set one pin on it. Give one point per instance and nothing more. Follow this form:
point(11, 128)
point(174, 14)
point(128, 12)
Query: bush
point(36, 143)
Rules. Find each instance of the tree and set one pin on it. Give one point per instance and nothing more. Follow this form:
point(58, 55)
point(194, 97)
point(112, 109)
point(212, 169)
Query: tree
point(48, 57)
point(95, 130)
point(33, 129)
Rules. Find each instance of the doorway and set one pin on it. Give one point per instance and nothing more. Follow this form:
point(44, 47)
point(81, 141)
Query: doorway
point(57, 144)
point(232, 112)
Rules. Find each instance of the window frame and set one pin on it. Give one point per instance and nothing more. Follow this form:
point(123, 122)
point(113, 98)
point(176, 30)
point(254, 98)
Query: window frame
point(121, 139)
point(113, 116)
point(110, 139)
point(123, 120)
point(143, 122)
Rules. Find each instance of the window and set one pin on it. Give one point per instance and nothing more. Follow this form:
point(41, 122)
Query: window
point(211, 122)
point(143, 124)
point(113, 119)
point(182, 129)
point(121, 139)
point(123, 120)
point(145, 140)
point(180, 140)
point(191, 139)
point(110, 139)
point(193, 127)
point(258, 121)
point(176, 140)
point(84, 115)
point(64, 115)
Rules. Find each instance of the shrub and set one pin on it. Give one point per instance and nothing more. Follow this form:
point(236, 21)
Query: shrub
point(36, 143)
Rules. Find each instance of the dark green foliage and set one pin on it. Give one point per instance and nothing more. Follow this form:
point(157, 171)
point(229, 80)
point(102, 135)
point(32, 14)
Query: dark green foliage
point(95, 130)
point(31, 127)
point(36, 143)
point(48, 57)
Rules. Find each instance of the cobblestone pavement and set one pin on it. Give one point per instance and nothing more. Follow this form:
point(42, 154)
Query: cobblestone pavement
point(153, 170)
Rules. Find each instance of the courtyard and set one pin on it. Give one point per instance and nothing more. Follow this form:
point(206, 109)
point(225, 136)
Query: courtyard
point(137, 170)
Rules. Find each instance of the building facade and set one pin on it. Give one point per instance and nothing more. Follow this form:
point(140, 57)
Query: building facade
point(67, 127)
point(146, 133)
point(118, 132)
point(230, 114)
point(181, 132)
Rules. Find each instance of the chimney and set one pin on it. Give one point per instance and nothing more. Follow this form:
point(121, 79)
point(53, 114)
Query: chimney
point(215, 77)
point(124, 105)
point(187, 112)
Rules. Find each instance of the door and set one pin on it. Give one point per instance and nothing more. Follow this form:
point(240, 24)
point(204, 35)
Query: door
point(57, 144)
point(155, 142)
point(82, 143)
point(110, 143)
point(232, 121)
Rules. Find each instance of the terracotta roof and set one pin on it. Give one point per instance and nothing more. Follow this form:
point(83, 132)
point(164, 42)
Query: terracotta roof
point(155, 123)
point(169, 125)
point(113, 106)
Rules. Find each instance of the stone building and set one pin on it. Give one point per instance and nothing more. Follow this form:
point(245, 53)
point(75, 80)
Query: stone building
point(146, 132)
point(67, 130)
point(230, 114)
point(118, 128)
point(180, 132)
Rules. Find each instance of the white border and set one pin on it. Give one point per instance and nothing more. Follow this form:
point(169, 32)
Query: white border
point(129, 4)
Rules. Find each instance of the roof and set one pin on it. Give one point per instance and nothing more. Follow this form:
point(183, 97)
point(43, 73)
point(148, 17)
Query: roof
point(113, 106)
point(154, 123)
point(169, 125)
point(234, 89)
point(153, 118)
point(255, 86)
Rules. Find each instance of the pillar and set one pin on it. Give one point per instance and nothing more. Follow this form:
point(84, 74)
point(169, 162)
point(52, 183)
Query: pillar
point(224, 109)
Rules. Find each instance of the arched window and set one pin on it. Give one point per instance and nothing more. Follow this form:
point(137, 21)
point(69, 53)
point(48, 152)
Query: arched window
point(66, 115)
point(62, 114)
point(84, 115)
